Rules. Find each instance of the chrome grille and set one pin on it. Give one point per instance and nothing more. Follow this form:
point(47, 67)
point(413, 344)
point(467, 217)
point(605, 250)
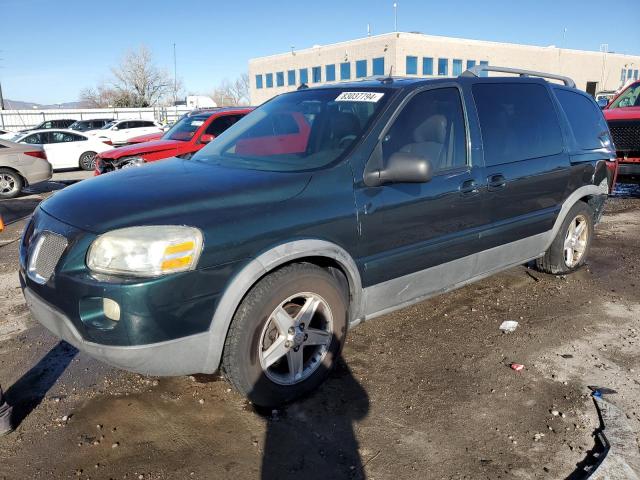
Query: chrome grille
point(626, 135)
point(45, 256)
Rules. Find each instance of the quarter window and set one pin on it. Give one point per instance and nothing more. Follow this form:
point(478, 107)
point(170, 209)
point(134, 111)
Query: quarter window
point(443, 67)
point(412, 65)
point(361, 68)
point(378, 66)
point(432, 126)
point(345, 71)
point(330, 73)
point(220, 124)
point(587, 122)
point(427, 65)
point(518, 122)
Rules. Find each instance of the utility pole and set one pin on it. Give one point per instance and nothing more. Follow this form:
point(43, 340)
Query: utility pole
point(175, 76)
point(395, 16)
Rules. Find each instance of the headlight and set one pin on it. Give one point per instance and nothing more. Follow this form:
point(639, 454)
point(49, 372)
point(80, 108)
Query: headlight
point(131, 162)
point(146, 251)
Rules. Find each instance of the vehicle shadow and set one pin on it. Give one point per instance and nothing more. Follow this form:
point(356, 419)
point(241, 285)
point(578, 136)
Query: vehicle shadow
point(29, 391)
point(314, 438)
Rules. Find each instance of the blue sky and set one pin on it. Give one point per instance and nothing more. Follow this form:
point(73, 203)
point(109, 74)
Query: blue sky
point(51, 49)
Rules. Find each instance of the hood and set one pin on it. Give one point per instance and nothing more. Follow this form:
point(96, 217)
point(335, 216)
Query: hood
point(146, 138)
point(624, 113)
point(171, 192)
point(141, 149)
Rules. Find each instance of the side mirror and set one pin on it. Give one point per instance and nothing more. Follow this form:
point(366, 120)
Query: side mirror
point(115, 129)
point(206, 137)
point(603, 102)
point(402, 168)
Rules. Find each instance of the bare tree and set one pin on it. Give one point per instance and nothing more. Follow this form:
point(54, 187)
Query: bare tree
point(138, 78)
point(104, 96)
point(233, 93)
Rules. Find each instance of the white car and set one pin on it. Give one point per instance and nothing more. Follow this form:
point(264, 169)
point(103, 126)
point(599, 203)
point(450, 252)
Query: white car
point(66, 148)
point(119, 132)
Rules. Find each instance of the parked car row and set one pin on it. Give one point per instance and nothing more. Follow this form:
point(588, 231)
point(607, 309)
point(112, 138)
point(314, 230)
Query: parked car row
point(21, 165)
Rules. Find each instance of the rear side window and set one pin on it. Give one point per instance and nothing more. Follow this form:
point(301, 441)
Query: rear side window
point(518, 122)
point(587, 122)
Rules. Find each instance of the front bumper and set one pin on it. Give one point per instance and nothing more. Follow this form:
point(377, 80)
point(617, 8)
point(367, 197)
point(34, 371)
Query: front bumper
point(182, 356)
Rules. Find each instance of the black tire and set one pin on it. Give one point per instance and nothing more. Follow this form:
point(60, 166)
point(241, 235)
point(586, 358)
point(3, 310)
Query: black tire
point(245, 342)
point(88, 161)
point(11, 183)
point(554, 260)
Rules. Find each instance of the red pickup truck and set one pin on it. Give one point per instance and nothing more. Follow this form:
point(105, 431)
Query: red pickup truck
point(623, 117)
point(191, 133)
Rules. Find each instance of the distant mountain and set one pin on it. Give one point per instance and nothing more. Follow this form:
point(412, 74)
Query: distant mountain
point(21, 105)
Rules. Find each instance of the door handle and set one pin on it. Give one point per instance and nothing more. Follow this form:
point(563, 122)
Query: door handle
point(496, 181)
point(469, 187)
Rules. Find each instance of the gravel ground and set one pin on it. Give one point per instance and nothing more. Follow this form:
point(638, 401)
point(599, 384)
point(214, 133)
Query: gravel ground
point(425, 392)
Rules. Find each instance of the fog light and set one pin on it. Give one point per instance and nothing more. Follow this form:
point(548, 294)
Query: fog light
point(111, 309)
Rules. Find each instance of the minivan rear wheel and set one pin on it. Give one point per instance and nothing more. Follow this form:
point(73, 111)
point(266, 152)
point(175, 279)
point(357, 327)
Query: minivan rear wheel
point(286, 335)
point(11, 183)
point(571, 245)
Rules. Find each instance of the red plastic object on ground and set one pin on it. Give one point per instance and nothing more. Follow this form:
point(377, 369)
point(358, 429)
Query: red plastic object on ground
point(517, 367)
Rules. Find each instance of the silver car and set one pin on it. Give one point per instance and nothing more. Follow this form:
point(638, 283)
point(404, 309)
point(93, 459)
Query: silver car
point(21, 165)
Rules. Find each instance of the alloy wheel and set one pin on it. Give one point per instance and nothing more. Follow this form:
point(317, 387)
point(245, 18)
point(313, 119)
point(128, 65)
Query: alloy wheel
point(575, 241)
point(296, 338)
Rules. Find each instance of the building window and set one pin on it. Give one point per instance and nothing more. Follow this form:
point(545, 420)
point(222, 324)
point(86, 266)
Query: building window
point(485, 73)
point(279, 79)
point(291, 77)
point(345, 71)
point(635, 74)
point(330, 73)
point(629, 74)
point(378, 66)
point(316, 74)
point(443, 67)
point(412, 65)
point(258, 81)
point(361, 68)
point(457, 67)
point(427, 65)
point(269, 80)
point(622, 75)
point(471, 64)
point(304, 75)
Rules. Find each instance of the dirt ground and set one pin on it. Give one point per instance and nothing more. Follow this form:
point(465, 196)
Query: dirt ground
point(425, 392)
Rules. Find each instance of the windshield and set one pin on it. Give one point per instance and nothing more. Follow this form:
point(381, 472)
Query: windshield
point(629, 98)
point(185, 128)
point(301, 130)
point(109, 125)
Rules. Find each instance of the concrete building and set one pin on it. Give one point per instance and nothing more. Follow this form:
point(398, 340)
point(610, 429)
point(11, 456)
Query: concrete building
point(418, 55)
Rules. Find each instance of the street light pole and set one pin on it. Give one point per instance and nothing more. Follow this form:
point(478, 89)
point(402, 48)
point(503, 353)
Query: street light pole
point(395, 16)
point(175, 76)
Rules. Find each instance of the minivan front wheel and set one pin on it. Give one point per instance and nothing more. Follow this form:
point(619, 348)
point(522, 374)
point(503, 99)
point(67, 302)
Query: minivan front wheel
point(286, 335)
point(571, 245)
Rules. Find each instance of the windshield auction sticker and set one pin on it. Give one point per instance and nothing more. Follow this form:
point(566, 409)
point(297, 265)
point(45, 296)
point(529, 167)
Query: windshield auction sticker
point(359, 97)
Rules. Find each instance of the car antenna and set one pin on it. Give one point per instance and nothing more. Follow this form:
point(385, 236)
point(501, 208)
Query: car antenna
point(303, 86)
point(388, 78)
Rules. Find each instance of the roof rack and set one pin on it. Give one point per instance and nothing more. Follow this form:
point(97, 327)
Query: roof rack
point(475, 72)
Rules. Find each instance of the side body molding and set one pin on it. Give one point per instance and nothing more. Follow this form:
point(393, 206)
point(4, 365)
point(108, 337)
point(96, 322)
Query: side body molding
point(263, 264)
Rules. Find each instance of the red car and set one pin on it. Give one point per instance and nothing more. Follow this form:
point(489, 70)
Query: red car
point(623, 117)
point(191, 133)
